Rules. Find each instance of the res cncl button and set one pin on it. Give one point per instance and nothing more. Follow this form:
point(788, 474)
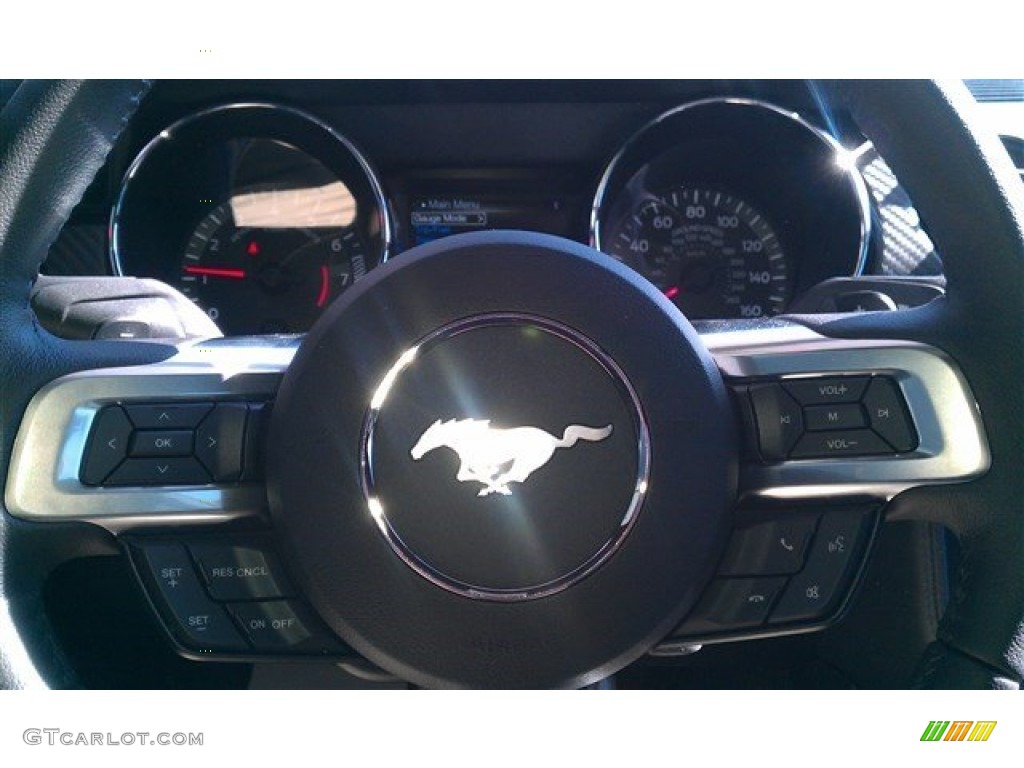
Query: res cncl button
point(240, 572)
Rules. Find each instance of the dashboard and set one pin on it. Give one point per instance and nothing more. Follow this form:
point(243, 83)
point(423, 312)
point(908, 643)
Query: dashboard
point(263, 202)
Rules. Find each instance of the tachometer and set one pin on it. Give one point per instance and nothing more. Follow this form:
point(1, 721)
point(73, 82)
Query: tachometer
point(261, 214)
point(711, 253)
point(263, 279)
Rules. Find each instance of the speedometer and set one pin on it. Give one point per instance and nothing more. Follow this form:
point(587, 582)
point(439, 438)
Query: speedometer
point(713, 254)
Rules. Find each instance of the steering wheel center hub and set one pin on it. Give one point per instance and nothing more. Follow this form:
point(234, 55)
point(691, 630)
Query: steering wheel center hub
point(505, 457)
point(481, 480)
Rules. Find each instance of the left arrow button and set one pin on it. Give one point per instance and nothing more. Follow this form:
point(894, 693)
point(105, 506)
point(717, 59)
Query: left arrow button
point(107, 445)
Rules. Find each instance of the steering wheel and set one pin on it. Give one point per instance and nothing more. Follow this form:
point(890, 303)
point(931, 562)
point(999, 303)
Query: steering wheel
point(477, 477)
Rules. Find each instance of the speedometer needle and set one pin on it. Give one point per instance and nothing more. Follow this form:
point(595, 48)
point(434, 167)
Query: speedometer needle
point(233, 274)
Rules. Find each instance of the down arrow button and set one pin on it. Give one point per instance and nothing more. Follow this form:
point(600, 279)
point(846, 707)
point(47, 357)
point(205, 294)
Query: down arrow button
point(219, 441)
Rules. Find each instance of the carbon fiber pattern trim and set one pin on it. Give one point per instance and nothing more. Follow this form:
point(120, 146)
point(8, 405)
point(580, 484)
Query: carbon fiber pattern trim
point(906, 247)
point(81, 249)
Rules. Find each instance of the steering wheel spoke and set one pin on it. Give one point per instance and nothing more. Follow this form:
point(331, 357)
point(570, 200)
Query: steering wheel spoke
point(171, 443)
point(177, 446)
point(831, 431)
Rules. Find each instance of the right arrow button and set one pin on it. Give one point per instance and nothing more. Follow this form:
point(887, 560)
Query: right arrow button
point(219, 441)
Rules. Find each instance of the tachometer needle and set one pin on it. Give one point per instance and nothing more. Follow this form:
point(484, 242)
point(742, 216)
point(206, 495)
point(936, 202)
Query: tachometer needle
point(232, 274)
point(673, 291)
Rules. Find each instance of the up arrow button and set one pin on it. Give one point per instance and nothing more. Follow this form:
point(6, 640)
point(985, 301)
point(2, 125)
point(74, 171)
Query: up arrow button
point(167, 415)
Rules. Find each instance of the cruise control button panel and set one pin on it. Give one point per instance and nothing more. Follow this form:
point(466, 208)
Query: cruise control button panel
point(227, 598)
point(828, 417)
point(789, 573)
point(180, 443)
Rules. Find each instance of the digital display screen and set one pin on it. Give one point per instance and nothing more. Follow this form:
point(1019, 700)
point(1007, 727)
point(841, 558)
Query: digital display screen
point(435, 216)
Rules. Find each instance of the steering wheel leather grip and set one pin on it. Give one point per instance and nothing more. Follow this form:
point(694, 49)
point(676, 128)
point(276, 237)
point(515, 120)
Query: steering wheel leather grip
point(55, 136)
point(945, 163)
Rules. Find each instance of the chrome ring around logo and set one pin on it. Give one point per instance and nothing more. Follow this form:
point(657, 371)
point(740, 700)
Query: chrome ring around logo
point(534, 446)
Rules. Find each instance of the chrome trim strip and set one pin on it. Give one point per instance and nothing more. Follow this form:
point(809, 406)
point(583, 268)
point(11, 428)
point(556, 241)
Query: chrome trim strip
point(387, 229)
point(953, 447)
point(860, 189)
point(43, 482)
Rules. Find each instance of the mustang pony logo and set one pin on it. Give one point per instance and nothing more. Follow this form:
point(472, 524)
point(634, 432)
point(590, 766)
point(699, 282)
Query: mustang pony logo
point(497, 457)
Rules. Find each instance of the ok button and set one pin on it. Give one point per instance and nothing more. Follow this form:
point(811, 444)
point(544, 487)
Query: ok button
point(161, 442)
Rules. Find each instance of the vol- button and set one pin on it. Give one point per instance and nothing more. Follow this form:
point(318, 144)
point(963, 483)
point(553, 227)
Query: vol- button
point(850, 442)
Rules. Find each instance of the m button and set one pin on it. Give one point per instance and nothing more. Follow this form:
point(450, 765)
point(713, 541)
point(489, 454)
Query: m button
point(824, 417)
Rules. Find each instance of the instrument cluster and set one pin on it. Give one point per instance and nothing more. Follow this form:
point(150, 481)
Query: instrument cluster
point(264, 214)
